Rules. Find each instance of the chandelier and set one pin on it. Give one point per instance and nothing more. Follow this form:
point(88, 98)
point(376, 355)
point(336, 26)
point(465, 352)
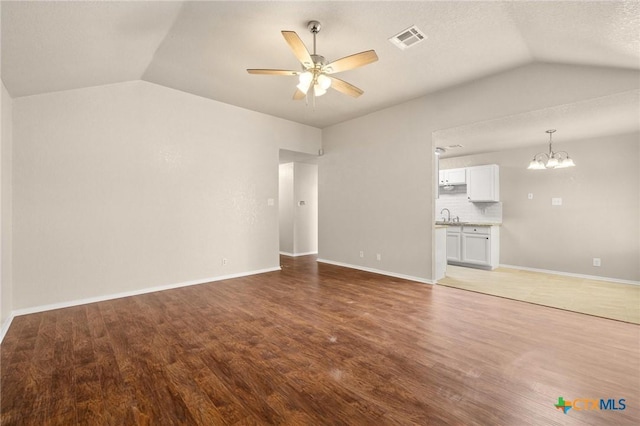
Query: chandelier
point(552, 160)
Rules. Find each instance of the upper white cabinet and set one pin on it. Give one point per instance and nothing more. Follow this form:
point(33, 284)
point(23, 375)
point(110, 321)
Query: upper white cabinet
point(483, 183)
point(453, 177)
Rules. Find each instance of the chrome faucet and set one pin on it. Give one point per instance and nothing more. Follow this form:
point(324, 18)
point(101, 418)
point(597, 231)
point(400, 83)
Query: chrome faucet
point(448, 214)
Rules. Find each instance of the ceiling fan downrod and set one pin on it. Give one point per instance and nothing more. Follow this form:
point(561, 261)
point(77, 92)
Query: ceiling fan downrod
point(314, 27)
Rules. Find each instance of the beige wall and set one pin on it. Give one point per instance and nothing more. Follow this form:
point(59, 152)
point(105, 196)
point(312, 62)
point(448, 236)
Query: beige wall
point(306, 216)
point(376, 177)
point(6, 288)
point(598, 215)
point(298, 224)
point(286, 210)
point(125, 187)
point(373, 178)
point(6, 211)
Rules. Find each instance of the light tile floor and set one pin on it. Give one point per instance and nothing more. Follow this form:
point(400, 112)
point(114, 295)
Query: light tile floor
point(600, 298)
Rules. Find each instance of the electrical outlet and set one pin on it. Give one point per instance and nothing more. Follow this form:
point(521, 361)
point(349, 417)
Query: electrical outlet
point(597, 261)
point(379, 257)
point(361, 253)
point(556, 201)
point(224, 261)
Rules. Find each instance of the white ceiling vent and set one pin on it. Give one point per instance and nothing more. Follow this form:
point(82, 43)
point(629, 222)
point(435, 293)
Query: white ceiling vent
point(407, 38)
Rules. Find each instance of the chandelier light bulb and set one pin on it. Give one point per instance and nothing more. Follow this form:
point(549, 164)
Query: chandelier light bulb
point(552, 163)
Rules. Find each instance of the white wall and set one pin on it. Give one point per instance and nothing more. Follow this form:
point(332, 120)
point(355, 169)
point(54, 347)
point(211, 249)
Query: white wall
point(298, 223)
point(376, 177)
point(598, 215)
point(372, 183)
point(6, 289)
point(306, 216)
point(286, 212)
point(125, 187)
point(6, 295)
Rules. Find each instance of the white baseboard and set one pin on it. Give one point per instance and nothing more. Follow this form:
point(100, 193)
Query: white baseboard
point(570, 274)
point(376, 271)
point(298, 254)
point(43, 308)
point(5, 327)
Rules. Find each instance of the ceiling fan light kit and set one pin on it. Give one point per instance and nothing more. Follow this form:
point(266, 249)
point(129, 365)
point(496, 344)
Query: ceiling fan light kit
point(316, 71)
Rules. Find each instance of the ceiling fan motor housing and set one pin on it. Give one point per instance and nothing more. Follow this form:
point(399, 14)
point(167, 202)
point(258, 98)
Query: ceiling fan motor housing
point(319, 60)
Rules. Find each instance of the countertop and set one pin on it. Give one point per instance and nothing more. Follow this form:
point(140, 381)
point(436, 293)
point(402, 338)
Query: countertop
point(447, 224)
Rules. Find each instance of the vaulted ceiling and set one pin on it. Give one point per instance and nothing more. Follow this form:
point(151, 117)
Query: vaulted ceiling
point(204, 48)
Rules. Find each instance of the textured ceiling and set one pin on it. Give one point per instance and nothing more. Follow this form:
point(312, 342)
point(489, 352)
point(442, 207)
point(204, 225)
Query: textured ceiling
point(613, 114)
point(52, 46)
point(205, 47)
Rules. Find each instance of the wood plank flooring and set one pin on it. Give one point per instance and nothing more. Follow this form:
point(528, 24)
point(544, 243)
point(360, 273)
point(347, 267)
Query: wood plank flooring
point(601, 298)
point(315, 344)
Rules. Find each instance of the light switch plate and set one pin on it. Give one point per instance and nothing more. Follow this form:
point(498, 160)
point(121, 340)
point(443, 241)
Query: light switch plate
point(556, 201)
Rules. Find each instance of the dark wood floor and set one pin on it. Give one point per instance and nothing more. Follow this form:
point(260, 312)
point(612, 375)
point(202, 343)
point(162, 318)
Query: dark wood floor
point(315, 344)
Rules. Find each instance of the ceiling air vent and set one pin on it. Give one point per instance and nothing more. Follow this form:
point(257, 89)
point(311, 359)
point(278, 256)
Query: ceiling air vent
point(407, 38)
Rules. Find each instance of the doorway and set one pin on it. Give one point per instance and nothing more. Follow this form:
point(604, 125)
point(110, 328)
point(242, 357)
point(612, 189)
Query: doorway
point(298, 203)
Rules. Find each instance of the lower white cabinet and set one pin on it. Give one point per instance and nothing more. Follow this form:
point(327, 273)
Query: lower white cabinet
point(474, 245)
point(441, 253)
point(454, 243)
point(476, 249)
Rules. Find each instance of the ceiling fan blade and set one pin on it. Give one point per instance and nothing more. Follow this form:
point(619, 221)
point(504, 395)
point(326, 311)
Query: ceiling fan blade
point(299, 95)
point(346, 88)
point(298, 47)
point(272, 72)
point(351, 62)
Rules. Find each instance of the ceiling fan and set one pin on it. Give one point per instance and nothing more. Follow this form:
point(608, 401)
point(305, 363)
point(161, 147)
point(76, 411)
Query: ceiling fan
point(316, 72)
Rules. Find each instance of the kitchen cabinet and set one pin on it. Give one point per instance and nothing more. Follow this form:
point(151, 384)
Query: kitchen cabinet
point(441, 252)
point(454, 243)
point(483, 183)
point(453, 177)
point(472, 245)
point(476, 247)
